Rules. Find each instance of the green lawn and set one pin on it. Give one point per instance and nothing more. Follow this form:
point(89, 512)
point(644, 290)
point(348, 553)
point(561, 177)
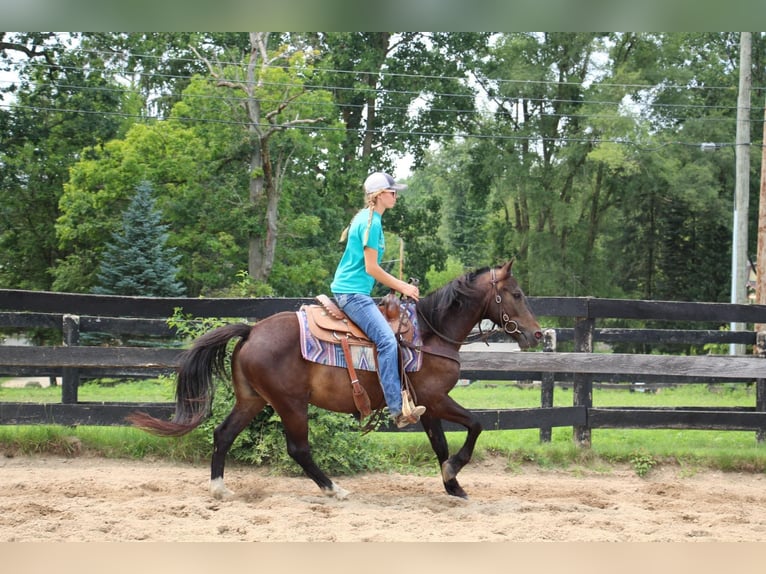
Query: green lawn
point(480, 394)
point(691, 449)
point(106, 390)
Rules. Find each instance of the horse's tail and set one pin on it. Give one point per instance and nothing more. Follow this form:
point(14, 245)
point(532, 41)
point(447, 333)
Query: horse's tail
point(194, 382)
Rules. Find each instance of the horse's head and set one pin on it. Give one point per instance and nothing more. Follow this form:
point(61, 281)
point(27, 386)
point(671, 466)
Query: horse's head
point(507, 307)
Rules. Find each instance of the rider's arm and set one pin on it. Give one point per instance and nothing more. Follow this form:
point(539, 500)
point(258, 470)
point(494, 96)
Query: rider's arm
point(384, 277)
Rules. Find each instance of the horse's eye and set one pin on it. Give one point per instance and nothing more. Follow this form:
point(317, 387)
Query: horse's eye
point(517, 295)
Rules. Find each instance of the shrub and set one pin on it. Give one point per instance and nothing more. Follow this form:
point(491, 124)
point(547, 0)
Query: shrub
point(338, 446)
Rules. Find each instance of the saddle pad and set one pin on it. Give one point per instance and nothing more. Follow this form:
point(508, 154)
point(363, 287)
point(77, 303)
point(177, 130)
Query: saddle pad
point(331, 354)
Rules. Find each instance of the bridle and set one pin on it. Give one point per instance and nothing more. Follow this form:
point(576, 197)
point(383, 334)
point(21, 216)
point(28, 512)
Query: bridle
point(509, 326)
point(507, 321)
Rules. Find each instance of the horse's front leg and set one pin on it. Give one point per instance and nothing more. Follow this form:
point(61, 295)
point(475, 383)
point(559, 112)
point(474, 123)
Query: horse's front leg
point(451, 466)
point(435, 432)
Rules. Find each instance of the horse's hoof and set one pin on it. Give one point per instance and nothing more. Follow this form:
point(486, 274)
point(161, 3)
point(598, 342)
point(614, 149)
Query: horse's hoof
point(218, 490)
point(336, 491)
point(456, 491)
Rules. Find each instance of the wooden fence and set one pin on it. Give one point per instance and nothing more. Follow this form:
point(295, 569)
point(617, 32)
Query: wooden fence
point(77, 315)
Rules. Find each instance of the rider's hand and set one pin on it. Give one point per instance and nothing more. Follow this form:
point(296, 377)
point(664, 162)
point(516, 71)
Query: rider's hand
point(409, 290)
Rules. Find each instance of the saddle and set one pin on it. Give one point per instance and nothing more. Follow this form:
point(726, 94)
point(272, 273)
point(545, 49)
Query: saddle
point(328, 322)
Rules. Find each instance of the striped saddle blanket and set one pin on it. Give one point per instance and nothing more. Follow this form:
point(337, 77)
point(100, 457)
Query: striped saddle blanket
point(363, 356)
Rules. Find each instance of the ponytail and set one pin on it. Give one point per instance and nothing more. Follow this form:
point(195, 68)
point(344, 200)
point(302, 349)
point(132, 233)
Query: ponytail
point(371, 200)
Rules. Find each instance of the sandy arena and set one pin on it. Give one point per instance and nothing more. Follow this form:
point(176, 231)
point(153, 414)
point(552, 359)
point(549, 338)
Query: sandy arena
point(88, 499)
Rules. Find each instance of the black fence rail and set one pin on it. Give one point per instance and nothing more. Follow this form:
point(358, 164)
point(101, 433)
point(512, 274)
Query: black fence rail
point(74, 315)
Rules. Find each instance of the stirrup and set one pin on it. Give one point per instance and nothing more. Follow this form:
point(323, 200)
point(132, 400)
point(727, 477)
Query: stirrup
point(408, 406)
point(403, 420)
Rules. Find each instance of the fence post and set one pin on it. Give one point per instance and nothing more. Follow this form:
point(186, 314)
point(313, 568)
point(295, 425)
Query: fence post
point(583, 382)
point(70, 376)
point(760, 384)
point(546, 385)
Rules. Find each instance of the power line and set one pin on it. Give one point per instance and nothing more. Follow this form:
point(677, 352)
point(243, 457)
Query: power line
point(416, 93)
point(416, 77)
point(382, 73)
point(601, 116)
point(541, 113)
point(378, 131)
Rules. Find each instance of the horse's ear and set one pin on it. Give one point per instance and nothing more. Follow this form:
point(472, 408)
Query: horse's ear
point(507, 266)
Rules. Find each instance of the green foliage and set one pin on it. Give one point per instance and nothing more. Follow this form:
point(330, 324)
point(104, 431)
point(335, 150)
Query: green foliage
point(102, 184)
point(580, 156)
point(187, 327)
point(137, 261)
point(642, 462)
point(246, 286)
point(59, 110)
point(337, 444)
point(452, 269)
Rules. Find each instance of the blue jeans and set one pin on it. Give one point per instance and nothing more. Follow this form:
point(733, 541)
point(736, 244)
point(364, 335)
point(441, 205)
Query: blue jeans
point(364, 312)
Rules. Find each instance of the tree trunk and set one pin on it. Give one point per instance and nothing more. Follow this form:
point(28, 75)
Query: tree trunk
point(263, 195)
point(380, 44)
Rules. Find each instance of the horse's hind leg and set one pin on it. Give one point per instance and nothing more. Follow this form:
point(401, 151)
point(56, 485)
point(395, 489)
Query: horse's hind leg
point(297, 435)
point(244, 411)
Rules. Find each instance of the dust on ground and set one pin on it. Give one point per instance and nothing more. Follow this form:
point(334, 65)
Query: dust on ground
point(49, 498)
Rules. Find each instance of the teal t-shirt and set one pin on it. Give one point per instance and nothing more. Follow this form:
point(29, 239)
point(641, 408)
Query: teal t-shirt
point(350, 275)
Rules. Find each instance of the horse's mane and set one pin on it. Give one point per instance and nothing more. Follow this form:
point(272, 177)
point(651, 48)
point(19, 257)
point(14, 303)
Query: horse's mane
point(442, 304)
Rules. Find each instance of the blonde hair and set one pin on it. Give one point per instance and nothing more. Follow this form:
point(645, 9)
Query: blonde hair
point(372, 199)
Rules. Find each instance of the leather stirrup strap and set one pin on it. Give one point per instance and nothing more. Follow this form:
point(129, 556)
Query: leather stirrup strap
point(361, 399)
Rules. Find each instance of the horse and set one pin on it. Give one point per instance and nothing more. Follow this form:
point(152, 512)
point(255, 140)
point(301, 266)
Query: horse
point(267, 368)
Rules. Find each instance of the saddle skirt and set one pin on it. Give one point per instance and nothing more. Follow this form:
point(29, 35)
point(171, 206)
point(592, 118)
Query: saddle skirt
point(323, 326)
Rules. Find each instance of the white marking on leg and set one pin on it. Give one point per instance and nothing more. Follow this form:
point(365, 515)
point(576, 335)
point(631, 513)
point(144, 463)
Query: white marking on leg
point(337, 492)
point(218, 489)
point(448, 473)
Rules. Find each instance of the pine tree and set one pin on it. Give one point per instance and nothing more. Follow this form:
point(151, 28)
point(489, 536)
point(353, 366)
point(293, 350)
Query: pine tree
point(137, 260)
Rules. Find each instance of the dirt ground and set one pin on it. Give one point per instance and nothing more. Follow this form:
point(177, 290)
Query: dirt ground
point(88, 499)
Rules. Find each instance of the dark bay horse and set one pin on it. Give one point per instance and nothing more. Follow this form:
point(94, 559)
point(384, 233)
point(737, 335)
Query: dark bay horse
point(267, 368)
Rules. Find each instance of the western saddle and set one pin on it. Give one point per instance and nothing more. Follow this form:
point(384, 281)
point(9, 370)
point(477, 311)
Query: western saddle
point(328, 322)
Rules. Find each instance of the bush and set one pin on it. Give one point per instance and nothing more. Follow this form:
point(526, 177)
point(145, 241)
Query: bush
point(337, 443)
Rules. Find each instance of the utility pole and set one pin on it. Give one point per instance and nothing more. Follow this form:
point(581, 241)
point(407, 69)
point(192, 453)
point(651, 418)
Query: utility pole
point(739, 259)
point(760, 263)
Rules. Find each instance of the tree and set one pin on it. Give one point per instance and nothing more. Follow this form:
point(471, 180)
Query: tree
point(529, 171)
point(64, 101)
point(137, 261)
point(676, 217)
point(273, 95)
point(101, 185)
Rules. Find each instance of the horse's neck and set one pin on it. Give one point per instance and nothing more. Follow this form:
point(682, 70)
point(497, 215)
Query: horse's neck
point(458, 327)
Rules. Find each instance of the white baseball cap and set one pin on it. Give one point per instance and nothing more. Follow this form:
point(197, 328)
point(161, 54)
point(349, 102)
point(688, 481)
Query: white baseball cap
point(379, 181)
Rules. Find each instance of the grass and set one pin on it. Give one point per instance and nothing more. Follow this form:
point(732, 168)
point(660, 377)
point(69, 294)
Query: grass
point(643, 450)
point(103, 390)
